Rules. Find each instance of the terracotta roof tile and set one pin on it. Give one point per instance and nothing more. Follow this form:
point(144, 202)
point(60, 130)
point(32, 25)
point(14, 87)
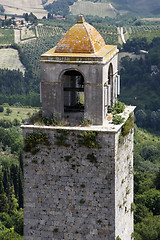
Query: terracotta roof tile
point(81, 38)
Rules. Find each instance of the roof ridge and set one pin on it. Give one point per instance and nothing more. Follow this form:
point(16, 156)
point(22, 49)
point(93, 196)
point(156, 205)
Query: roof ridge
point(85, 23)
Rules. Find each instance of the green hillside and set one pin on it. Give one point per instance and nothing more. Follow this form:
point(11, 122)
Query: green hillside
point(142, 7)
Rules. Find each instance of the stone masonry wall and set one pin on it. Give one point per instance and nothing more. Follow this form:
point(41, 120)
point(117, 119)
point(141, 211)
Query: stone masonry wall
point(70, 186)
point(124, 187)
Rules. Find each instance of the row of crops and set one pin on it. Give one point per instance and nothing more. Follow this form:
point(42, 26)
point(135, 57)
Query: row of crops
point(49, 31)
point(109, 33)
point(33, 49)
point(143, 28)
point(147, 31)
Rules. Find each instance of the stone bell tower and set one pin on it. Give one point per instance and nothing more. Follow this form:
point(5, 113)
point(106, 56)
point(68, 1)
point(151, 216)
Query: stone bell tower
point(80, 76)
point(78, 181)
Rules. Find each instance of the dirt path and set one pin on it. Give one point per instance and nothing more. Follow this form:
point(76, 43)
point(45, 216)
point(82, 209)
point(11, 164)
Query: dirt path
point(122, 35)
point(37, 34)
point(119, 35)
point(17, 36)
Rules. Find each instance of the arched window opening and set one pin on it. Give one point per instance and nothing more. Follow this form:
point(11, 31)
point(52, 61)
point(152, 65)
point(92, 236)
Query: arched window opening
point(73, 86)
point(110, 85)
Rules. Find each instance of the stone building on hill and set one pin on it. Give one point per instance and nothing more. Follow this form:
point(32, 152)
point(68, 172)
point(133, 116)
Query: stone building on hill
point(78, 180)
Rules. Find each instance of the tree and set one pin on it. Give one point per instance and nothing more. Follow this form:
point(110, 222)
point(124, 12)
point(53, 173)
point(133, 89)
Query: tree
point(1, 108)
point(8, 111)
point(2, 9)
point(32, 18)
point(4, 206)
point(141, 117)
point(26, 17)
point(157, 180)
point(148, 229)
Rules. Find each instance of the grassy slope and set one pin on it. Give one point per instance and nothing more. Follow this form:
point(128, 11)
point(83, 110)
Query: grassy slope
point(90, 8)
point(99, 8)
point(6, 36)
point(22, 6)
point(17, 112)
point(10, 59)
point(139, 6)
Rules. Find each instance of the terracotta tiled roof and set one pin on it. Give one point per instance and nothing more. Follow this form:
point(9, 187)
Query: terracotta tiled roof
point(81, 38)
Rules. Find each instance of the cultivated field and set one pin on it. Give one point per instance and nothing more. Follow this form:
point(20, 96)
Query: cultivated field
point(17, 112)
point(147, 31)
point(10, 59)
point(27, 33)
point(6, 36)
point(90, 8)
point(24, 6)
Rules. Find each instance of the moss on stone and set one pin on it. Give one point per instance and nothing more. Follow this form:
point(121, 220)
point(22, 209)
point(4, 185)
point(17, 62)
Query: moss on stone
point(88, 139)
point(126, 128)
point(61, 138)
point(31, 142)
point(91, 157)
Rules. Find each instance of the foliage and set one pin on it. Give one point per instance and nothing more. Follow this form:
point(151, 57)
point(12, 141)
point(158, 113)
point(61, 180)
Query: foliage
point(34, 49)
point(38, 119)
point(11, 138)
point(126, 128)
point(148, 229)
point(88, 139)
point(1, 108)
point(31, 17)
point(12, 82)
point(145, 32)
point(31, 142)
point(8, 111)
point(142, 75)
point(17, 219)
point(2, 8)
point(30, 99)
point(133, 207)
point(135, 45)
point(129, 124)
point(11, 188)
point(61, 138)
point(117, 119)
point(85, 122)
point(8, 233)
point(14, 86)
point(60, 7)
point(118, 107)
point(146, 152)
point(146, 179)
point(5, 123)
point(118, 238)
